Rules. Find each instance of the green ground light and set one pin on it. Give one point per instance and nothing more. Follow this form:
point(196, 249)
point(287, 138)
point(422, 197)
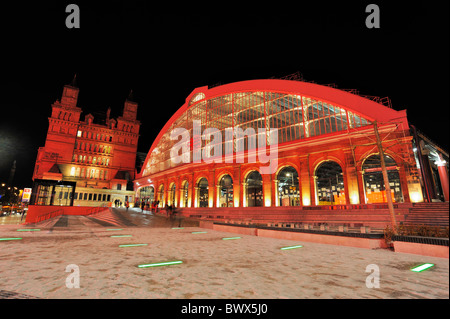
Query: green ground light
point(177, 227)
point(230, 238)
point(133, 245)
point(12, 238)
point(199, 232)
point(118, 236)
point(167, 263)
point(31, 229)
point(110, 229)
point(291, 247)
point(422, 267)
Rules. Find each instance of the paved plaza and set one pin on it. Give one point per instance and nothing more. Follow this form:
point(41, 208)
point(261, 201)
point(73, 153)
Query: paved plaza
point(42, 263)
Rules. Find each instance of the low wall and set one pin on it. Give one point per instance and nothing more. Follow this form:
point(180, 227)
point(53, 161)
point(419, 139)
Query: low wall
point(426, 246)
point(322, 238)
point(370, 243)
point(38, 213)
point(421, 249)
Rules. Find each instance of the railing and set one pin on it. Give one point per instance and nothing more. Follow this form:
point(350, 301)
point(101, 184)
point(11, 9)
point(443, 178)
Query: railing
point(38, 215)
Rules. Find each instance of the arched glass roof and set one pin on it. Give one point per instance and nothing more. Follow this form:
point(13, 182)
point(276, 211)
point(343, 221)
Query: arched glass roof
point(295, 116)
point(262, 105)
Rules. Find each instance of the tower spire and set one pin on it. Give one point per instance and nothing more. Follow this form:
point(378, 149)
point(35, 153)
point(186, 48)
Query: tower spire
point(130, 96)
point(74, 81)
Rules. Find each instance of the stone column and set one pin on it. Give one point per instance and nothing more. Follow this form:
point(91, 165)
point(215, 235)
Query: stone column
point(244, 195)
point(276, 200)
point(443, 176)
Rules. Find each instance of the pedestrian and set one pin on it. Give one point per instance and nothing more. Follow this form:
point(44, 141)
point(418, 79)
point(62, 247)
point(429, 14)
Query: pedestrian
point(127, 204)
point(177, 218)
point(24, 211)
point(142, 205)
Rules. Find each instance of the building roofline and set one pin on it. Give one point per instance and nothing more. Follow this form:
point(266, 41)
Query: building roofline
point(352, 102)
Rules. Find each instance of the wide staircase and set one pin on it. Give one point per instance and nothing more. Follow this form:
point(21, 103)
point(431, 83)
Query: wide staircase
point(434, 214)
point(375, 216)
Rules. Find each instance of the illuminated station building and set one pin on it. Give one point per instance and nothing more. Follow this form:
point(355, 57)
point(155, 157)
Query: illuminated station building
point(327, 151)
point(86, 163)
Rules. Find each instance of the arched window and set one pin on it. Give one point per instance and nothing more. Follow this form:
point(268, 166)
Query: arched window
point(202, 194)
point(171, 195)
point(161, 195)
point(373, 180)
point(288, 188)
point(184, 196)
point(254, 189)
point(330, 188)
point(226, 191)
point(147, 194)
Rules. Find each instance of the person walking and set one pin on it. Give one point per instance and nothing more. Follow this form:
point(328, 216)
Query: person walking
point(177, 218)
point(24, 211)
point(127, 204)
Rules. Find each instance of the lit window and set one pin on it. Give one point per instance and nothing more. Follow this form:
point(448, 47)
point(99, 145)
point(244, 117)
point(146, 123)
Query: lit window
point(79, 133)
point(72, 171)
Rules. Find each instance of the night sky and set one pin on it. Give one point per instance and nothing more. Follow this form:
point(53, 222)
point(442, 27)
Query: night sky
point(164, 53)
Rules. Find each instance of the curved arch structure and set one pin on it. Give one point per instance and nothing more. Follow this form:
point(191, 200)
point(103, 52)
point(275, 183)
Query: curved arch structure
point(231, 129)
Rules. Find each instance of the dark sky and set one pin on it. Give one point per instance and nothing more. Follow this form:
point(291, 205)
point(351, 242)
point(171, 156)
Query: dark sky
point(163, 53)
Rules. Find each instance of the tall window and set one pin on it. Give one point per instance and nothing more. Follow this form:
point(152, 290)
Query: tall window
point(330, 188)
point(254, 189)
point(288, 190)
point(374, 183)
point(226, 192)
point(202, 195)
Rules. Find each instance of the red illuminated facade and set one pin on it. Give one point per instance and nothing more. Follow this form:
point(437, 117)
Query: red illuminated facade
point(327, 151)
point(84, 163)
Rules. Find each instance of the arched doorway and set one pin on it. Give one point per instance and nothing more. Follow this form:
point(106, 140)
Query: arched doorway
point(161, 195)
point(330, 188)
point(147, 194)
point(202, 193)
point(373, 180)
point(184, 195)
point(226, 191)
point(288, 188)
point(254, 189)
point(171, 196)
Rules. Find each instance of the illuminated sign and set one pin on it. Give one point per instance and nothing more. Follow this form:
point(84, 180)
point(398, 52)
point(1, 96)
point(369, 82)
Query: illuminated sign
point(26, 195)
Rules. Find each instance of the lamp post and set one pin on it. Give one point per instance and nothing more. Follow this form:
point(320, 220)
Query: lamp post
point(385, 177)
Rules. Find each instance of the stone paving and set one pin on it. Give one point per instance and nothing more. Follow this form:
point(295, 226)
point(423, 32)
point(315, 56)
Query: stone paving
point(247, 267)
